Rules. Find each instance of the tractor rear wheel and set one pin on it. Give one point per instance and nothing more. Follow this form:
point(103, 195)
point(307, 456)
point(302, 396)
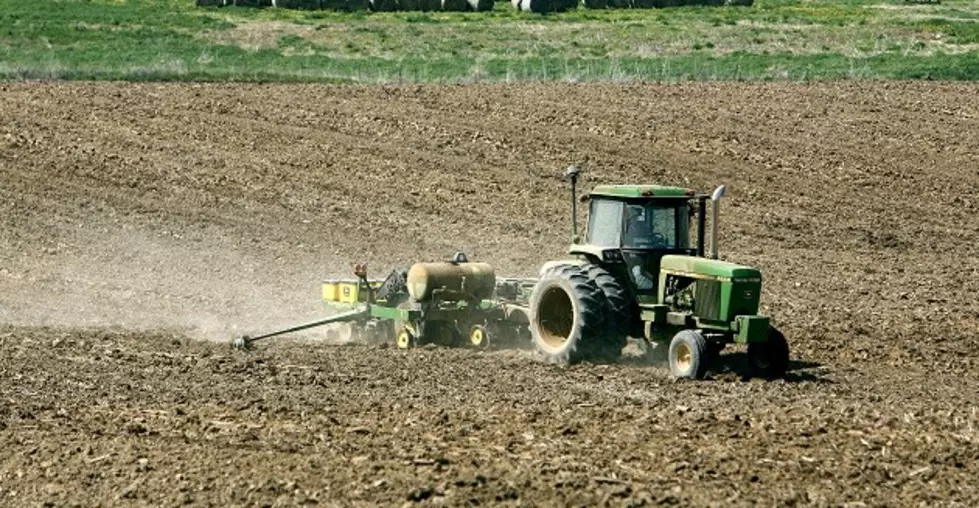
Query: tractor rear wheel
point(769, 359)
point(622, 315)
point(568, 314)
point(688, 355)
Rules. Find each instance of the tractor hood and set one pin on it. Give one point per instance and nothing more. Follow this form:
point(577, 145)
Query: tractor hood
point(705, 267)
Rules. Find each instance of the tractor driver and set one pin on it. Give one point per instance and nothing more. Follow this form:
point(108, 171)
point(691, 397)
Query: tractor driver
point(644, 280)
point(640, 229)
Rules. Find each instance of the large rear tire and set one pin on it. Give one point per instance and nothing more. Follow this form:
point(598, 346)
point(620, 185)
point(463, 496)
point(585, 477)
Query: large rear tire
point(622, 312)
point(568, 314)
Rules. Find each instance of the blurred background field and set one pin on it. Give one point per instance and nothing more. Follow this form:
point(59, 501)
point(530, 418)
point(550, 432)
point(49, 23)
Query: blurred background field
point(175, 40)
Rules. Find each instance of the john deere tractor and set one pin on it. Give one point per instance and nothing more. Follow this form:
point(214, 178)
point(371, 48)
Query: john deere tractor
point(638, 274)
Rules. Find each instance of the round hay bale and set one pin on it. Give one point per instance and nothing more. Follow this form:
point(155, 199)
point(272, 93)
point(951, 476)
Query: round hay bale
point(536, 6)
point(419, 5)
point(345, 5)
point(383, 5)
point(298, 4)
point(455, 5)
point(481, 5)
point(541, 6)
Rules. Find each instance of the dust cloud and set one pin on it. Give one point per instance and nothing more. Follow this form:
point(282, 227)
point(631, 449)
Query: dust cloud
point(129, 278)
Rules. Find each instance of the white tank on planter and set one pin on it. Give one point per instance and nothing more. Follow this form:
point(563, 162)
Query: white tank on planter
point(544, 5)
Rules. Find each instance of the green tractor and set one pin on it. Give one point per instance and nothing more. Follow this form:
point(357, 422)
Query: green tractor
point(638, 274)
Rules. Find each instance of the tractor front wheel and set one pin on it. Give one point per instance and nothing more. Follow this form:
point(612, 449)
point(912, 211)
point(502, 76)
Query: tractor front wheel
point(769, 359)
point(688, 355)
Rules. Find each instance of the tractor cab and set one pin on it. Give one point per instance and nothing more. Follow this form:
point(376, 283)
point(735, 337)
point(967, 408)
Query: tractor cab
point(639, 224)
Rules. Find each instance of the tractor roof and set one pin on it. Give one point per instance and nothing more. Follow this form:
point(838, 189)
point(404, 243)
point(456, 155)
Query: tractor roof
point(642, 191)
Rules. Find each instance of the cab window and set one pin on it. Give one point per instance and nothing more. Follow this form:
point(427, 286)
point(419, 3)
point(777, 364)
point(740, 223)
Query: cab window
point(604, 223)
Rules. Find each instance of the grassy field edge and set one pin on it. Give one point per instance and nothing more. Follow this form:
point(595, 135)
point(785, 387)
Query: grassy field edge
point(172, 40)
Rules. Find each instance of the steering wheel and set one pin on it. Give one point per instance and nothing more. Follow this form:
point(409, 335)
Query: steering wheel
point(653, 240)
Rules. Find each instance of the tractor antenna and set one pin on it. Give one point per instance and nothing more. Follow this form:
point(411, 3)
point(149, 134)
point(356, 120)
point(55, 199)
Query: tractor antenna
point(572, 175)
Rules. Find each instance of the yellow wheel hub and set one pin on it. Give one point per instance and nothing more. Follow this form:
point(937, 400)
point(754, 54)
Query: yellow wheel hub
point(684, 357)
point(404, 339)
point(477, 336)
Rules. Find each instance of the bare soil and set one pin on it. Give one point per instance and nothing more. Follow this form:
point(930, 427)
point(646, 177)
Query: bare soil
point(136, 220)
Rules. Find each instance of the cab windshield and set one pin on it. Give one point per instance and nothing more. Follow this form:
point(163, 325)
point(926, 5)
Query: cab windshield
point(656, 225)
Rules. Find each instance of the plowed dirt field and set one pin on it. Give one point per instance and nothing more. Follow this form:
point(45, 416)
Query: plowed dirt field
point(141, 226)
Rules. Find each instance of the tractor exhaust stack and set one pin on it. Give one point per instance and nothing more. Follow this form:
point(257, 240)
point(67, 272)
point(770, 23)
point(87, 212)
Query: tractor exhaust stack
point(716, 208)
point(572, 174)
